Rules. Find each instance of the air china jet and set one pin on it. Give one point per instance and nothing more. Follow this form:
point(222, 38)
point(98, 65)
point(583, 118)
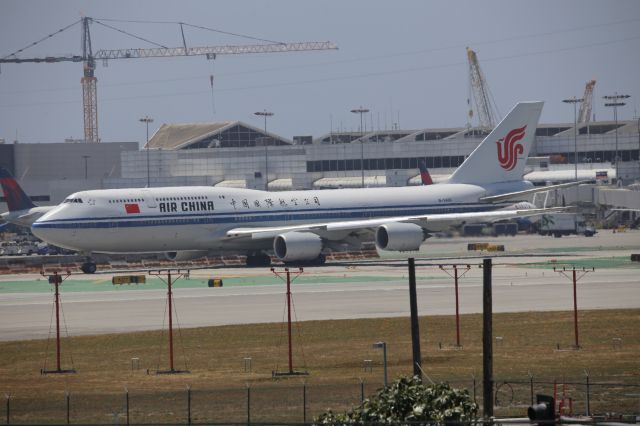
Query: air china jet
point(298, 226)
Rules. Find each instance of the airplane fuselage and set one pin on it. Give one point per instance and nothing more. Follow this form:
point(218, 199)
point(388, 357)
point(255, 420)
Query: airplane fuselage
point(197, 218)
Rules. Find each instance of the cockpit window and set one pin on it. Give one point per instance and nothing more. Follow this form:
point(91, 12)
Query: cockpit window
point(73, 200)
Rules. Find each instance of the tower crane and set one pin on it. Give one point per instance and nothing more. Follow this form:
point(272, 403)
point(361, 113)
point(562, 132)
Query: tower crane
point(584, 116)
point(485, 106)
point(88, 59)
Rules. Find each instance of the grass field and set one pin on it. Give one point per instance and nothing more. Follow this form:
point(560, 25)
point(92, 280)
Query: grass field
point(332, 352)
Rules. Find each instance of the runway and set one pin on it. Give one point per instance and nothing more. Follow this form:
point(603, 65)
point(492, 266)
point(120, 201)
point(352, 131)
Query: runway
point(374, 289)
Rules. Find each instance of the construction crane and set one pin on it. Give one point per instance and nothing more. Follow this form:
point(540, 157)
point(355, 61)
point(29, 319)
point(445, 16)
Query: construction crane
point(485, 106)
point(88, 58)
point(584, 116)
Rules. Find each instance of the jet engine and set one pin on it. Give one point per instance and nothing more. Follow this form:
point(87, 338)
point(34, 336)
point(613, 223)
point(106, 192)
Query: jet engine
point(180, 256)
point(398, 236)
point(296, 246)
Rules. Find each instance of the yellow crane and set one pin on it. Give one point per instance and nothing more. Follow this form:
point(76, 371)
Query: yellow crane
point(485, 106)
point(584, 116)
point(88, 58)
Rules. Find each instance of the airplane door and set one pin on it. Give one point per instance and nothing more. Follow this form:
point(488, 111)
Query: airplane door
point(149, 199)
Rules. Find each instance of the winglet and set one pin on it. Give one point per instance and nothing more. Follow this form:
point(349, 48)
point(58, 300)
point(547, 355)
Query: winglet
point(15, 197)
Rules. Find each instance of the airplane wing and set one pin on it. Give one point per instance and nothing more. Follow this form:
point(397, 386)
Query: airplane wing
point(430, 222)
point(520, 194)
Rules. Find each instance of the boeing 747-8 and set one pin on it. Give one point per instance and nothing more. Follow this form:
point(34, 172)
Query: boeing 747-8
point(190, 222)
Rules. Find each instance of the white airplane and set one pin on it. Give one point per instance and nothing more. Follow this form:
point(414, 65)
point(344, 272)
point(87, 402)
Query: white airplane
point(22, 211)
point(191, 222)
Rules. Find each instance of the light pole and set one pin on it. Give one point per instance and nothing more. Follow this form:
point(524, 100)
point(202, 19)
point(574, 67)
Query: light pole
point(383, 346)
point(147, 120)
point(265, 114)
point(615, 103)
point(361, 111)
point(575, 103)
point(85, 158)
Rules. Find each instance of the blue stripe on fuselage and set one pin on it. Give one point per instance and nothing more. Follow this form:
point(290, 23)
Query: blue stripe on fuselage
point(248, 217)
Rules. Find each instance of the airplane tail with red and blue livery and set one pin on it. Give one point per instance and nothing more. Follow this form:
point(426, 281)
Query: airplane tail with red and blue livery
point(14, 196)
point(425, 177)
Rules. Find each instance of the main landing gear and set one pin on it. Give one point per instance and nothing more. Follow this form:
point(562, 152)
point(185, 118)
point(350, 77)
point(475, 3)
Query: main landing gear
point(320, 260)
point(89, 267)
point(258, 259)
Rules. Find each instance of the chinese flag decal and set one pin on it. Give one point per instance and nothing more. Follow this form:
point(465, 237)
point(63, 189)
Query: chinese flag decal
point(132, 208)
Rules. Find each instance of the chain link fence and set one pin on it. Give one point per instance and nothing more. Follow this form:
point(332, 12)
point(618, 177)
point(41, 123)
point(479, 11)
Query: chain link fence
point(289, 402)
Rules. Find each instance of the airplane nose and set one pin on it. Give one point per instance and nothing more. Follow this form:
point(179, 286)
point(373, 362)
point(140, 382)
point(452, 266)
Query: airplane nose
point(40, 230)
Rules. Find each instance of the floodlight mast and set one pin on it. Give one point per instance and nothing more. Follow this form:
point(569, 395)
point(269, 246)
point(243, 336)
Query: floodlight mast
point(88, 58)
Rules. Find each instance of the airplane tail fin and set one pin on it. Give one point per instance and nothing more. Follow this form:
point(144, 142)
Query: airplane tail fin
point(14, 196)
point(502, 155)
point(424, 173)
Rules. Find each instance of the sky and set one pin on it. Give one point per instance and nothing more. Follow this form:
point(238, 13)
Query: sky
point(403, 60)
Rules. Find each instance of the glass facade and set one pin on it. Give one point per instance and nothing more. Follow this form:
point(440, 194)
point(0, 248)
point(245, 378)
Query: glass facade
point(236, 137)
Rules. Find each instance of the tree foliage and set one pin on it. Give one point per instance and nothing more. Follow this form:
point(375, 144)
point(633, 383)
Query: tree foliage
point(408, 400)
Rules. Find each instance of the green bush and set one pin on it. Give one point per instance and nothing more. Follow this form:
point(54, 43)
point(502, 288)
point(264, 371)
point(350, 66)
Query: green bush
point(408, 400)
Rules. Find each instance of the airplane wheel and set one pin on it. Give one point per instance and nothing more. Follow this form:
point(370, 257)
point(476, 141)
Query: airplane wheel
point(259, 259)
point(89, 268)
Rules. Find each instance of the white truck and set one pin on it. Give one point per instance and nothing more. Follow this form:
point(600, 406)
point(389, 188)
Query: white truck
point(559, 224)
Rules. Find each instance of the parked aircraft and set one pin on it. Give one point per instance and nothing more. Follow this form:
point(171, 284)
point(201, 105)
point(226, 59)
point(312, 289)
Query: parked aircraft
point(298, 226)
point(22, 211)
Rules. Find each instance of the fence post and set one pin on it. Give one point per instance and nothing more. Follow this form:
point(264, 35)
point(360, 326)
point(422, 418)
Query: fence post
point(127, 403)
point(8, 407)
point(248, 404)
point(304, 402)
point(588, 393)
point(474, 388)
point(361, 391)
point(531, 386)
point(68, 398)
point(188, 404)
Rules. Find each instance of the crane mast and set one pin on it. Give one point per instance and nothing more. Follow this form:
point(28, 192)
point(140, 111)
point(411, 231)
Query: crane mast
point(584, 116)
point(89, 81)
point(89, 87)
point(484, 104)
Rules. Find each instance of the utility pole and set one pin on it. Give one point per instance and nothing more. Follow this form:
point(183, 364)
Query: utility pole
point(615, 102)
point(455, 282)
point(178, 274)
point(361, 111)
point(265, 114)
point(487, 341)
point(415, 328)
point(57, 280)
point(147, 120)
point(289, 280)
point(574, 278)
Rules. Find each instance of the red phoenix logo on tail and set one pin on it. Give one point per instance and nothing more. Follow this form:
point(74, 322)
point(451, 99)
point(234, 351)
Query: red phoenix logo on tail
point(509, 148)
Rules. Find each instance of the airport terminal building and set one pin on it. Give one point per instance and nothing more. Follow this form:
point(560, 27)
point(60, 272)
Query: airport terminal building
point(236, 154)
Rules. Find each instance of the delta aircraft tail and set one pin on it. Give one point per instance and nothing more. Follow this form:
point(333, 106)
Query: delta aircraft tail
point(14, 196)
point(425, 177)
point(502, 155)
